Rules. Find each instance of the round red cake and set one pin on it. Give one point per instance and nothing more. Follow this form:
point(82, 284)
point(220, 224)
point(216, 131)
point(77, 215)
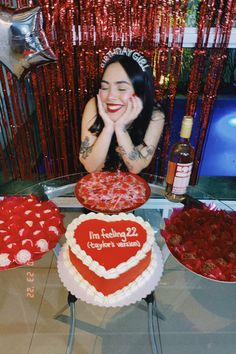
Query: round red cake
point(112, 192)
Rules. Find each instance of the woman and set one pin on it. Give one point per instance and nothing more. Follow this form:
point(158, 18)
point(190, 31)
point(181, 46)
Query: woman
point(122, 126)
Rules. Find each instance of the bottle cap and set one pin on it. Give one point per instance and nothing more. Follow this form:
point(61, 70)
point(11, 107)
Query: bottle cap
point(186, 127)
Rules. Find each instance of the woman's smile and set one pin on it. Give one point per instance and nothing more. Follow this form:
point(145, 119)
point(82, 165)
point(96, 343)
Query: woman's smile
point(113, 107)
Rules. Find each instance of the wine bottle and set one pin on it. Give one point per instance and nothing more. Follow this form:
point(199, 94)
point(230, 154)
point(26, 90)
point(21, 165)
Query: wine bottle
point(180, 164)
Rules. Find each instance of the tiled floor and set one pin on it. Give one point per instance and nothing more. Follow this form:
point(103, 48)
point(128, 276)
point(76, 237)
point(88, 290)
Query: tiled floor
point(200, 315)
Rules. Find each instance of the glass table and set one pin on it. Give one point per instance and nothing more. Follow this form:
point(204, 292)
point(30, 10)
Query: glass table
point(176, 284)
point(61, 191)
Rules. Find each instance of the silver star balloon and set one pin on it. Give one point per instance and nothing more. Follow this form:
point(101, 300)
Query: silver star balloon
point(23, 42)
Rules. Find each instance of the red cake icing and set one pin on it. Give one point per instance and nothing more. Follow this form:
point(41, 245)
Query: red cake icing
point(109, 286)
point(109, 251)
point(108, 257)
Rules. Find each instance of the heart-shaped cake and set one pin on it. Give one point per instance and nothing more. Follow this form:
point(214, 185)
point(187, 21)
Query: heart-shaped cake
point(109, 251)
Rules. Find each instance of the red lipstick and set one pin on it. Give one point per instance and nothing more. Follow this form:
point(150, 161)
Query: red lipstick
point(113, 108)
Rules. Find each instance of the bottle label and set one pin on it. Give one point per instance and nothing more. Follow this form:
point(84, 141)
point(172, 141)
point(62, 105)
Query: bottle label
point(182, 177)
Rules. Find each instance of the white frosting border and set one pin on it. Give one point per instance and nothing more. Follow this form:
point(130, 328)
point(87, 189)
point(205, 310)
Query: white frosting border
point(131, 293)
point(94, 265)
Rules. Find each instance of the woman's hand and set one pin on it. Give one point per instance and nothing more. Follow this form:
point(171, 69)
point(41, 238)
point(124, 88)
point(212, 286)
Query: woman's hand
point(105, 117)
point(134, 107)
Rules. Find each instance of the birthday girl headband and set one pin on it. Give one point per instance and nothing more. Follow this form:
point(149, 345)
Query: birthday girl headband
point(136, 56)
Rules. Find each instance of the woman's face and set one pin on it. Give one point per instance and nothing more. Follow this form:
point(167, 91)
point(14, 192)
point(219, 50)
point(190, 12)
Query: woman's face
point(116, 89)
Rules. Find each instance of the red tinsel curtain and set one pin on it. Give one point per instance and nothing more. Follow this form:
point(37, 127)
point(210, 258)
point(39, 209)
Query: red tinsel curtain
point(168, 65)
point(41, 114)
point(80, 33)
point(223, 13)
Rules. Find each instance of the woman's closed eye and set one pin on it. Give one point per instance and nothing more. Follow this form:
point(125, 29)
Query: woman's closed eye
point(123, 89)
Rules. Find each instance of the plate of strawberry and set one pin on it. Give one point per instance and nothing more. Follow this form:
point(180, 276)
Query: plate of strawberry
point(204, 241)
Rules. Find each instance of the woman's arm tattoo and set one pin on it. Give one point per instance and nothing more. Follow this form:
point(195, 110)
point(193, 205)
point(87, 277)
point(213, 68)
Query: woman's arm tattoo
point(85, 148)
point(134, 154)
point(137, 152)
point(122, 152)
point(147, 151)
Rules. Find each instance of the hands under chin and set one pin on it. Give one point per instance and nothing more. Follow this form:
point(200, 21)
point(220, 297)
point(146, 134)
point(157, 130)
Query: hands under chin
point(108, 123)
point(134, 107)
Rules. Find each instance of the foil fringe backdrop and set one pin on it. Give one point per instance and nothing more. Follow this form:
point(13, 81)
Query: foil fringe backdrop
point(80, 33)
point(168, 65)
point(223, 27)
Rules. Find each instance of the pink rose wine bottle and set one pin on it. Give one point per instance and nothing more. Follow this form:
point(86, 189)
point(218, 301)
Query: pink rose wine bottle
point(180, 164)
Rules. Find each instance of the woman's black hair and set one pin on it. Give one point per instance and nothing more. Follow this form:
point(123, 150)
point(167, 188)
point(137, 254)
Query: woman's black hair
point(143, 84)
